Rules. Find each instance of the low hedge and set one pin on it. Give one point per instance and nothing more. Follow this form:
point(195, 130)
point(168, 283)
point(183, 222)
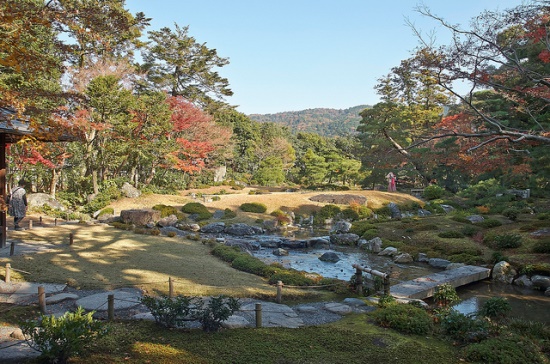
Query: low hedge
point(254, 207)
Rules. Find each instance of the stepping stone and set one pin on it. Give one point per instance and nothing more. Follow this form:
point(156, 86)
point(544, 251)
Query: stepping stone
point(60, 297)
point(235, 322)
point(98, 302)
point(26, 292)
point(147, 316)
point(338, 308)
point(275, 315)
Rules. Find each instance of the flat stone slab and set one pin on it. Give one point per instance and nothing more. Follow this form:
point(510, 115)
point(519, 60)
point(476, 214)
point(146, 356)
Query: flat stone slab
point(98, 302)
point(61, 297)
point(338, 308)
point(424, 287)
point(274, 315)
point(25, 293)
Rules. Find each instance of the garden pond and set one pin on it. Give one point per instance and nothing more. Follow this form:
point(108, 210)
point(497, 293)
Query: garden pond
point(525, 303)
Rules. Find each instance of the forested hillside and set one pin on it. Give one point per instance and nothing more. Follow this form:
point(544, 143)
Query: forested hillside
point(325, 122)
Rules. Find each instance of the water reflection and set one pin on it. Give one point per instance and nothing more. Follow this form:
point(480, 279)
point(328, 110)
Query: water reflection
point(525, 303)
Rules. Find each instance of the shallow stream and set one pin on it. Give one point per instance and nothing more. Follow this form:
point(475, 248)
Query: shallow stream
point(525, 303)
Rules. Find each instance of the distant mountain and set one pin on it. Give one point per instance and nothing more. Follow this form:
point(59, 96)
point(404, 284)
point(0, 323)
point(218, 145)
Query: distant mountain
point(326, 122)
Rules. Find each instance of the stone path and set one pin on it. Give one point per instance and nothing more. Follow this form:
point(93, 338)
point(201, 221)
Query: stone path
point(13, 349)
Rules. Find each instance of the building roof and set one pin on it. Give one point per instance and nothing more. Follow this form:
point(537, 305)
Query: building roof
point(15, 129)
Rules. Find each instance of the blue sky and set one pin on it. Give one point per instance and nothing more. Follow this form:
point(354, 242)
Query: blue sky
point(289, 55)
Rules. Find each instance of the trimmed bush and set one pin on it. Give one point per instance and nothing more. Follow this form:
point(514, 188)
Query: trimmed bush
point(495, 308)
point(229, 214)
point(450, 234)
point(360, 227)
point(512, 213)
point(197, 209)
point(433, 192)
point(489, 223)
point(254, 207)
point(504, 349)
point(464, 328)
point(542, 247)
point(166, 210)
point(502, 241)
point(327, 212)
point(407, 319)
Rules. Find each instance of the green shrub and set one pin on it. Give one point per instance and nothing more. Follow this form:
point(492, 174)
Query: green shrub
point(383, 211)
point(250, 264)
point(291, 277)
point(489, 223)
point(229, 214)
point(495, 308)
point(254, 207)
point(510, 349)
point(58, 339)
point(445, 295)
point(360, 227)
point(512, 213)
point(166, 210)
point(350, 214)
point(433, 192)
point(502, 241)
point(386, 300)
point(407, 319)
point(212, 312)
point(173, 312)
point(106, 211)
point(167, 311)
point(463, 328)
point(370, 234)
point(470, 230)
point(543, 216)
point(326, 212)
point(226, 253)
point(197, 209)
point(542, 247)
point(461, 219)
point(471, 259)
point(450, 234)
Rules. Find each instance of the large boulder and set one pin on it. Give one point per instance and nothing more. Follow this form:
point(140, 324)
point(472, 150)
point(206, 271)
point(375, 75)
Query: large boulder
point(503, 272)
point(240, 229)
point(168, 221)
point(374, 245)
point(130, 191)
point(142, 217)
point(395, 212)
point(341, 226)
point(542, 282)
point(403, 258)
point(474, 219)
point(41, 199)
point(389, 251)
point(213, 228)
point(330, 257)
point(344, 239)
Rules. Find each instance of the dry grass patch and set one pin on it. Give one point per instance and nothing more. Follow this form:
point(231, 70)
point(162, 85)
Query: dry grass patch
point(103, 257)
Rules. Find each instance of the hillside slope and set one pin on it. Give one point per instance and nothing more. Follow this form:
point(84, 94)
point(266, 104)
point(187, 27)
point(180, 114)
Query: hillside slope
point(322, 121)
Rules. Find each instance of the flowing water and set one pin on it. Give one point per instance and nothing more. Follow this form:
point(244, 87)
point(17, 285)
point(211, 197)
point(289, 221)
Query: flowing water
point(525, 303)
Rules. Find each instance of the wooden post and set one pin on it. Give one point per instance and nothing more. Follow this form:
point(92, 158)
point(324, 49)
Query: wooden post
point(258, 310)
point(7, 277)
point(12, 248)
point(111, 307)
point(279, 291)
point(359, 281)
point(42, 299)
point(55, 222)
point(40, 221)
point(387, 285)
point(30, 224)
point(170, 287)
point(71, 239)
